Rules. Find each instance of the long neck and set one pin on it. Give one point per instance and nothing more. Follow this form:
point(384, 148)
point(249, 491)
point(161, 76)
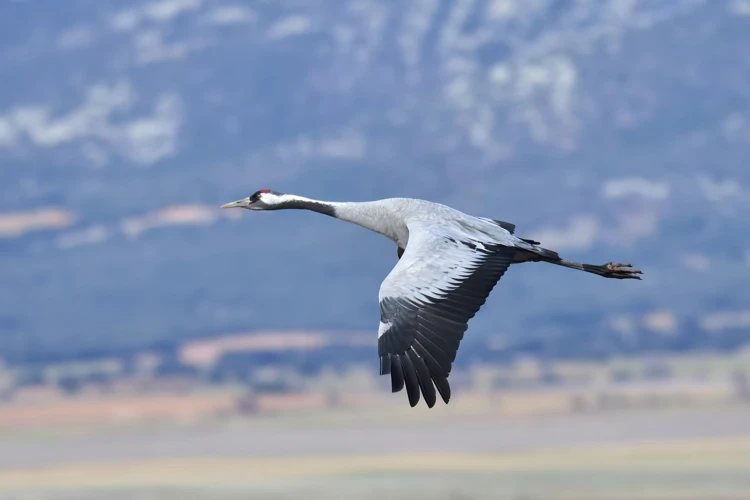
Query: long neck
point(372, 215)
point(301, 203)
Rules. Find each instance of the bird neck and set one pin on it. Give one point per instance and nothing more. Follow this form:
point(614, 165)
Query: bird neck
point(302, 203)
point(372, 215)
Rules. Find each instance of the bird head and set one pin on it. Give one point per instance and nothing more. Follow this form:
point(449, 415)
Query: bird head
point(264, 199)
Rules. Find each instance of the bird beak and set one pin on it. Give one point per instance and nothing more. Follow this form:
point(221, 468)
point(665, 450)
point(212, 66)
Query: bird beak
point(236, 204)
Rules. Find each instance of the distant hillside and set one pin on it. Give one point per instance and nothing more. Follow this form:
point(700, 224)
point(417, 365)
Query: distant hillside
point(608, 130)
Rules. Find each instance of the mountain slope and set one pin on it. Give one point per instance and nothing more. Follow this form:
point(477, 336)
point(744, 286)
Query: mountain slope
point(608, 130)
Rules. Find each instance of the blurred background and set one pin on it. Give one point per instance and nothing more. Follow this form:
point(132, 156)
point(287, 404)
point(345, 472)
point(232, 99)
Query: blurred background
point(153, 346)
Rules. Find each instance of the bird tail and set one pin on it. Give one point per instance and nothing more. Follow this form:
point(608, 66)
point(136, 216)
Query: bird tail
point(547, 254)
point(540, 253)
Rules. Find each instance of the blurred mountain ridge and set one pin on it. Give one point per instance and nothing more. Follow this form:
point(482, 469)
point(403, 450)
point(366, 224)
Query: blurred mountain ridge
point(608, 130)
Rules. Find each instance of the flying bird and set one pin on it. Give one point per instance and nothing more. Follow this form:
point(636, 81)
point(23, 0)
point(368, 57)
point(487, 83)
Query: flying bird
point(449, 262)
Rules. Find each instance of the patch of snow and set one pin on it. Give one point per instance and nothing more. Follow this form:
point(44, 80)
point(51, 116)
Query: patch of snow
point(580, 234)
point(417, 21)
point(740, 7)
point(662, 322)
point(502, 9)
point(150, 48)
point(696, 262)
point(75, 38)
point(728, 320)
point(149, 139)
point(143, 139)
point(231, 14)
point(157, 12)
point(349, 145)
point(635, 186)
point(720, 191)
point(736, 128)
point(289, 27)
point(88, 236)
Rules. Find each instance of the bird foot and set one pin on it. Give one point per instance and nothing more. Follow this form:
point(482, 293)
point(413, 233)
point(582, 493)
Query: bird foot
point(619, 271)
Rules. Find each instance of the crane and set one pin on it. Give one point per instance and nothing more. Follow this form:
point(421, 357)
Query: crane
point(448, 263)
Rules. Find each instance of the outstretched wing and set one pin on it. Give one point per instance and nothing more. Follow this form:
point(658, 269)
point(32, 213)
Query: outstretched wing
point(426, 302)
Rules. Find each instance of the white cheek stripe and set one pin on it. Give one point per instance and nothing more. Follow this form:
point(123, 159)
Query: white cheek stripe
point(270, 198)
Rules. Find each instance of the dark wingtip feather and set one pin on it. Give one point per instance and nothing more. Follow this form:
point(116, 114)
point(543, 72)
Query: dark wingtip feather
point(423, 376)
point(438, 374)
point(443, 387)
point(397, 374)
point(385, 364)
point(436, 367)
point(411, 380)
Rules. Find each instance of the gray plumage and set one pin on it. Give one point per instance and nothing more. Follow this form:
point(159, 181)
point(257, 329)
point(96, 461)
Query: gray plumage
point(449, 262)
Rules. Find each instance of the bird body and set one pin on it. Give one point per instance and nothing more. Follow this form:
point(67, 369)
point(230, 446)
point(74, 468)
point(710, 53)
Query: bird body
point(449, 262)
point(392, 216)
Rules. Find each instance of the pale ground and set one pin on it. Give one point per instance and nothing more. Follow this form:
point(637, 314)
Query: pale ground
point(699, 453)
point(683, 438)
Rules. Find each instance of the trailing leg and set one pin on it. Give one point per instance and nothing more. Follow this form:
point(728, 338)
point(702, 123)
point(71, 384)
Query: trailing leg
point(608, 270)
